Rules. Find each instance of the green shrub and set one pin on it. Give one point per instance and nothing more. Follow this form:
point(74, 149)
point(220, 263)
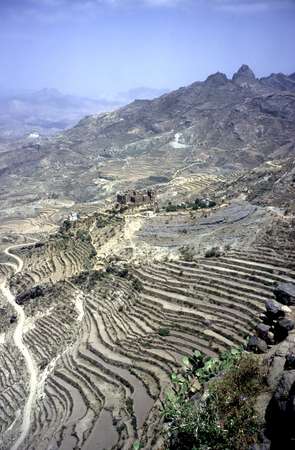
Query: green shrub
point(204, 203)
point(83, 235)
point(235, 396)
point(214, 252)
point(129, 405)
point(164, 332)
point(222, 417)
point(171, 208)
point(66, 225)
point(187, 253)
point(137, 285)
point(93, 253)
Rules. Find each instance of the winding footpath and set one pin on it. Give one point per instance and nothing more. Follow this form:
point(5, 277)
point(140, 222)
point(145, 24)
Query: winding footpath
point(18, 341)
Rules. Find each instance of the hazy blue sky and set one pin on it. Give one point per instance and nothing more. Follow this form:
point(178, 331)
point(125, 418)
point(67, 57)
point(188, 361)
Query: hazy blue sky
point(99, 47)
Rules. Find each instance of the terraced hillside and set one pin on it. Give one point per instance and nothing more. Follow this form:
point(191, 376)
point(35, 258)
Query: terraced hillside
point(51, 262)
point(101, 344)
point(96, 313)
point(229, 226)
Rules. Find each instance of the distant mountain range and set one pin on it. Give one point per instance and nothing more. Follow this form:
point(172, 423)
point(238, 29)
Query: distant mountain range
point(220, 125)
point(45, 112)
point(48, 111)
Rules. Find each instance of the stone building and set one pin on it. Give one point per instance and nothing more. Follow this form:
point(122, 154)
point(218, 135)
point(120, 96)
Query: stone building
point(136, 198)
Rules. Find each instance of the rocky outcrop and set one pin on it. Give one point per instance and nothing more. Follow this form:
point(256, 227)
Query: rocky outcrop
point(276, 406)
point(256, 345)
point(217, 79)
point(274, 310)
point(280, 414)
point(282, 328)
point(277, 322)
point(285, 293)
point(244, 77)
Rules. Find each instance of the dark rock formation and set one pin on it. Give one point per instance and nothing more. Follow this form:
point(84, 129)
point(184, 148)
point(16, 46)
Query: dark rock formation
point(290, 362)
point(273, 310)
point(256, 345)
point(244, 76)
point(280, 414)
point(282, 329)
point(34, 292)
point(217, 79)
point(285, 293)
point(264, 444)
point(262, 331)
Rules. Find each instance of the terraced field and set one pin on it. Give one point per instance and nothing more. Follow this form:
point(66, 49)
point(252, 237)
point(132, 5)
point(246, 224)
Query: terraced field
point(102, 344)
point(50, 262)
point(102, 364)
point(13, 390)
point(187, 187)
point(235, 225)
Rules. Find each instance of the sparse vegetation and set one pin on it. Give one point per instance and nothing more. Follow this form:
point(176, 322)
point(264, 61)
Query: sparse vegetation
point(221, 415)
point(214, 252)
point(83, 235)
point(187, 253)
point(164, 332)
point(129, 405)
point(66, 225)
point(171, 208)
point(137, 285)
point(197, 204)
point(93, 253)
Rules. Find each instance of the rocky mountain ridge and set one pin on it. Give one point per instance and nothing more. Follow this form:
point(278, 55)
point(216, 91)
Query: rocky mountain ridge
point(220, 125)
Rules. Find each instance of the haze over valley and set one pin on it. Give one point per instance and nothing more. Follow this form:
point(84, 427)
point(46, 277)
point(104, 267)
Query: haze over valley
point(48, 111)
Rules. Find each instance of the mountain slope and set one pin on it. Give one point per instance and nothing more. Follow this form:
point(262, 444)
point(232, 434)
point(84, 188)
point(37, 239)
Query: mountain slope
point(228, 114)
point(218, 125)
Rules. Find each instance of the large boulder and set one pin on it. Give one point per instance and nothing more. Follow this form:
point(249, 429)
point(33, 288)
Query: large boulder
point(290, 362)
point(256, 345)
point(285, 293)
point(263, 331)
point(274, 310)
point(282, 329)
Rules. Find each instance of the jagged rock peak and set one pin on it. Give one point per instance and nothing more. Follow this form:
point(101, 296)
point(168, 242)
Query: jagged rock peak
point(217, 78)
point(244, 75)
